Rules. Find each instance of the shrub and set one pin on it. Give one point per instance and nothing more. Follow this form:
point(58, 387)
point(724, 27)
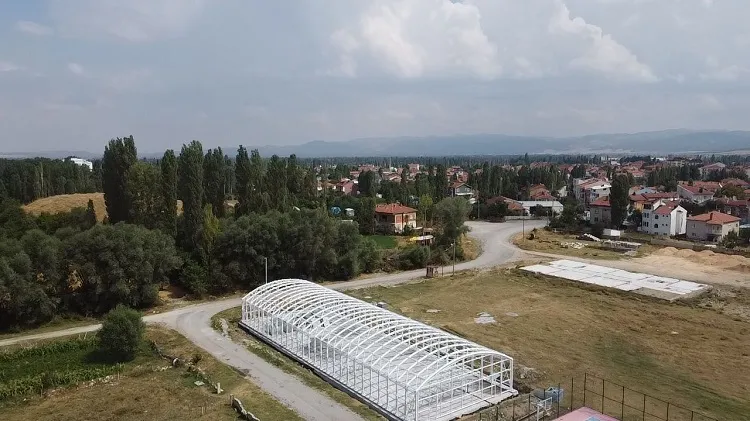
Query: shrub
point(121, 334)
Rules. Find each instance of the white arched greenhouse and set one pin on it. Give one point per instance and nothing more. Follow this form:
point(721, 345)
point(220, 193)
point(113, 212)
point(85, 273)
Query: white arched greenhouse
point(403, 368)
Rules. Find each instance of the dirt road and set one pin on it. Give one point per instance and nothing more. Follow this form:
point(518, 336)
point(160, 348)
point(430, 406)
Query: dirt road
point(194, 322)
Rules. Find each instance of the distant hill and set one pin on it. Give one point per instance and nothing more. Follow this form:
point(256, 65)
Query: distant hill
point(658, 142)
point(661, 142)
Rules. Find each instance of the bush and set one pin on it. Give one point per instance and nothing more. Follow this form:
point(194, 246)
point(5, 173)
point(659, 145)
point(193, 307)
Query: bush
point(121, 334)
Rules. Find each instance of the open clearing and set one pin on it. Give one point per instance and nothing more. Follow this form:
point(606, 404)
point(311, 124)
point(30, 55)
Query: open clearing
point(67, 202)
point(147, 388)
point(694, 357)
point(549, 242)
point(385, 242)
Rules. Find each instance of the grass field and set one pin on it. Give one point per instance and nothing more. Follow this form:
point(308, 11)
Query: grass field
point(145, 389)
point(385, 242)
point(549, 242)
point(281, 361)
point(67, 202)
point(693, 357)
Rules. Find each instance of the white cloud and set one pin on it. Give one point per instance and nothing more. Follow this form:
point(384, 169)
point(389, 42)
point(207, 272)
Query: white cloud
point(33, 28)
point(6, 66)
point(603, 53)
point(132, 20)
point(76, 69)
point(416, 38)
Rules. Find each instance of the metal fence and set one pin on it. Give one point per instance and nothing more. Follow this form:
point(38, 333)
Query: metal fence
point(606, 397)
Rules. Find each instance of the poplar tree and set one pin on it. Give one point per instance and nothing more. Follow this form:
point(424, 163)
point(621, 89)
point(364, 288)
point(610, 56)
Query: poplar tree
point(191, 192)
point(119, 156)
point(242, 175)
point(168, 203)
point(213, 181)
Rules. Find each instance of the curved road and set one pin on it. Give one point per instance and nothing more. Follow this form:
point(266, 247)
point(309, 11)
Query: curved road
point(194, 322)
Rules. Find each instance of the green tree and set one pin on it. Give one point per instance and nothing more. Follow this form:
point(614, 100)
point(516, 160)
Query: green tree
point(213, 180)
point(90, 214)
point(366, 216)
point(209, 233)
point(618, 200)
point(243, 173)
point(116, 264)
point(259, 188)
point(168, 203)
point(119, 156)
point(450, 214)
point(121, 334)
point(440, 183)
point(731, 240)
point(191, 193)
point(276, 182)
point(368, 184)
point(144, 194)
point(426, 206)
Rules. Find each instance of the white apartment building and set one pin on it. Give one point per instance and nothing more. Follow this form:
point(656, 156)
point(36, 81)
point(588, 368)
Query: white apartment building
point(664, 217)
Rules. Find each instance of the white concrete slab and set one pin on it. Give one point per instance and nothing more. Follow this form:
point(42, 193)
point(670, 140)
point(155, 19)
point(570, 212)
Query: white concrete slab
point(659, 286)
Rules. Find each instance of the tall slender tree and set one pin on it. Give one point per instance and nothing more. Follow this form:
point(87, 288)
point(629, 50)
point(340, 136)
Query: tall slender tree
point(191, 193)
point(168, 211)
point(213, 180)
point(259, 187)
point(119, 156)
point(618, 200)
point(242, 173)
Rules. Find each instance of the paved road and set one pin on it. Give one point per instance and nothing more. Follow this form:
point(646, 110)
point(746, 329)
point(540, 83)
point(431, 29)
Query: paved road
point(194, 322)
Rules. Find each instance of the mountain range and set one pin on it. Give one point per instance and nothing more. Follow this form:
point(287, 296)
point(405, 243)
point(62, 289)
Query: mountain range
point(675, 141)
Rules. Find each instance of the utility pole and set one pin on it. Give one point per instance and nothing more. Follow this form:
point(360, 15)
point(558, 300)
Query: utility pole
point(266, 262)
point(454, 258)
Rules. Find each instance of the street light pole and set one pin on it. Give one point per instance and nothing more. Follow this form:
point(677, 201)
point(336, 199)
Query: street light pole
point(454, 258)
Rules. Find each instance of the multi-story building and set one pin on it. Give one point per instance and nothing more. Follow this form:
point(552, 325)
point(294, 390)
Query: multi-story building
point(664, 217)
point(712, 226)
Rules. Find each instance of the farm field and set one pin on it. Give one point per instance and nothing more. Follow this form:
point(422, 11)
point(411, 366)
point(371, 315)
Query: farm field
point(694, 357)
point(143, 389)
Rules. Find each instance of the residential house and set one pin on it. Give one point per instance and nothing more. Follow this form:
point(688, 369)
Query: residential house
point(540, 193)
point(82, 162)
point(695, 194)
point(708, 169)
point(738, 208)
point(664, 217)
point(735, 182)
point(394, 218)
point(414, 169)
point(459, 188)
point(551, 207)
point(712, 226)
point(587, 191)
point(514, 207)
point(346, 187)
point(601, 211)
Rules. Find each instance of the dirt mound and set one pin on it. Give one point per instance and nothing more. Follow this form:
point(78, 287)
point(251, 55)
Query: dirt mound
point(666, 251)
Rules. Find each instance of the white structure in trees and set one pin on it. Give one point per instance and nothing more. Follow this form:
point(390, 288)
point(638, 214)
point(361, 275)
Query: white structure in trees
point(400, 367)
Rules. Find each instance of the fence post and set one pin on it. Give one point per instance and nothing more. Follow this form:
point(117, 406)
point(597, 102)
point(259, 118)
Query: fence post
point(622, 404)
point(644, 407)
point(559, 389)
point(604, 412)
point(571, 393)
point(667, 411)
point(585, 378)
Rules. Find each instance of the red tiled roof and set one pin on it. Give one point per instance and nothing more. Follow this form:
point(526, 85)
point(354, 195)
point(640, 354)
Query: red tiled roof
point(393, 209)
point(735, 182)
point(666, 208)
point(699, 190)
point(714, 218)
point(601, 202)
point(660, 195)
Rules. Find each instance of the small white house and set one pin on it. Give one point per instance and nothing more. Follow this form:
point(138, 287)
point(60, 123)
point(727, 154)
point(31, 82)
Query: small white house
point(664, 218)
point(82, 162)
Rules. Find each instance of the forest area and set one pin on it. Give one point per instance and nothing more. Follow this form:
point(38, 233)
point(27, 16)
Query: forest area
point(233, 214)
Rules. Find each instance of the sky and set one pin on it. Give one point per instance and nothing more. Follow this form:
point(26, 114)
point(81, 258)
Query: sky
point(75, 73)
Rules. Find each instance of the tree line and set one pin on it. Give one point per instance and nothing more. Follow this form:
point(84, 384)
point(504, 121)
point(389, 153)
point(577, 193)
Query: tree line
point(27, 180)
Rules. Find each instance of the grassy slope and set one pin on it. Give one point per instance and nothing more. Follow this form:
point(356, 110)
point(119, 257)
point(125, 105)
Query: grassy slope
point(564, 329)
point(144, 391)
point(549, 242)
point(385, 242)
point(66, 202)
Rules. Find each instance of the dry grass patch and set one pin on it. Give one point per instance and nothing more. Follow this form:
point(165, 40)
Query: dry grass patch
point(694, 357)
point(549, 242)
point(146, 392)
point(68, 202)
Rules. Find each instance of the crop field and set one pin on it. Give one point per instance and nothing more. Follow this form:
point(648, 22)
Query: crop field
point(146, 388)
point(555, 330)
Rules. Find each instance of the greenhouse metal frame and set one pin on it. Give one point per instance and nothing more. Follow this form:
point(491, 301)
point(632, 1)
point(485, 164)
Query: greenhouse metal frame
point(404, 369)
